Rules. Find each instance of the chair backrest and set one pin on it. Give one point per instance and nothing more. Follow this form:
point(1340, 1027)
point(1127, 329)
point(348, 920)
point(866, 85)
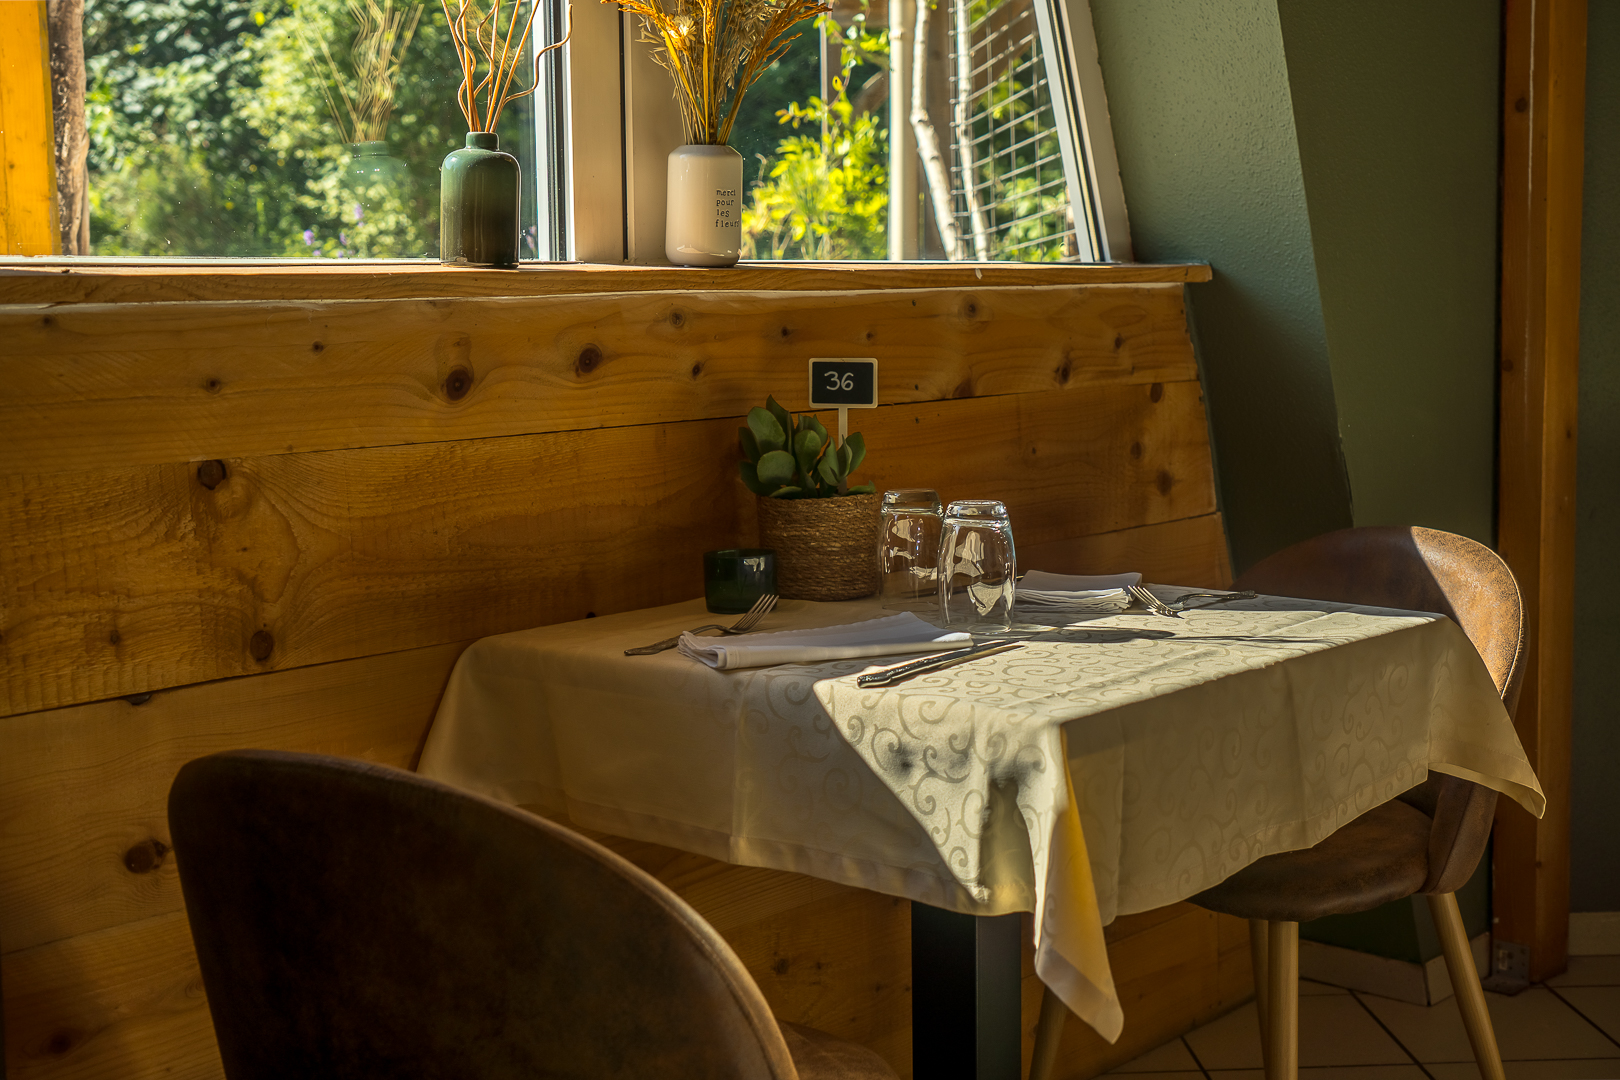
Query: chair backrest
point(1420, 570)
point(353, 920)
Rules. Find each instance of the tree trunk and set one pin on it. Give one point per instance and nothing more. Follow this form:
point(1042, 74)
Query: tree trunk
point(66, 21)
point(933, 162)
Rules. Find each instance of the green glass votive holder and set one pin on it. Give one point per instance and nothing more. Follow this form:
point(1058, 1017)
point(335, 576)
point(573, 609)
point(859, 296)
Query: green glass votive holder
point(733, 579)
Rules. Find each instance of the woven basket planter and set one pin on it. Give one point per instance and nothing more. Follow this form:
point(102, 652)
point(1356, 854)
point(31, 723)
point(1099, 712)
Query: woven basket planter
point(826, 549)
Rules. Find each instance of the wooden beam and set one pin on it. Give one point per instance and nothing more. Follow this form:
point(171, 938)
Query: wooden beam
point(1542, 157)
point(27, 151)
point(98, 385)
point(310, 279)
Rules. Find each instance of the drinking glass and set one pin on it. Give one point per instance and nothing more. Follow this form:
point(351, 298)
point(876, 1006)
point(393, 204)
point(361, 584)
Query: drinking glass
point(908, 549)
point(978, 567)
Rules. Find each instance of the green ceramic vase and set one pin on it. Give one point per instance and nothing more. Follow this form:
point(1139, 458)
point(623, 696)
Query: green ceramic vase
point(478, 204)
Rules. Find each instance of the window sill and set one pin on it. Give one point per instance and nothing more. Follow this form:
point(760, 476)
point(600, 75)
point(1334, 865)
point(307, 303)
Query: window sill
point(69, 281)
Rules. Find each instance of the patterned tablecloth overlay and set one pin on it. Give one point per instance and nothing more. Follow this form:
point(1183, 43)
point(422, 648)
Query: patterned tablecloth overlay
point(1112, 765)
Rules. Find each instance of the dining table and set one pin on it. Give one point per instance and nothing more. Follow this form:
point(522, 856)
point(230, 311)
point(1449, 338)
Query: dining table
point(1112, 763)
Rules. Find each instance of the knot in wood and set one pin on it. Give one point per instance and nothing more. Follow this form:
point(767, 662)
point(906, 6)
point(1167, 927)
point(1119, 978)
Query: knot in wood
point(211, 474)
point(261, 645)
point(677, 320)
point(590, 358)
point(145, 856)
point(457, 383)
point(1156, 392)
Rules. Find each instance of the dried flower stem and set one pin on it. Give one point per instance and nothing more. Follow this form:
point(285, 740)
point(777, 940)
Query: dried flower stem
point(478, 33)
point(714, 50)
point(379, 46)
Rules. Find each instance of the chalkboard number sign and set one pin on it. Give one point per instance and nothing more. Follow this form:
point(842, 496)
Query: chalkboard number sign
point(843, 384)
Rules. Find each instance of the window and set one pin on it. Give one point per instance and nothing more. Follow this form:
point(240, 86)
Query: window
point(315, 129)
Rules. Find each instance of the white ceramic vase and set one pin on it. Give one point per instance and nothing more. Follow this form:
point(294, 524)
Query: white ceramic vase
point(703, 226)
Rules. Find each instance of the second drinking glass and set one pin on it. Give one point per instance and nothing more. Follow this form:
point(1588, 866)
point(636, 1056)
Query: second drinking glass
point(978, 567)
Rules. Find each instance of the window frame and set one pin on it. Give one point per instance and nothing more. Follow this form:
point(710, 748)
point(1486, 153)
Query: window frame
point(612, 205)
point(608, 63)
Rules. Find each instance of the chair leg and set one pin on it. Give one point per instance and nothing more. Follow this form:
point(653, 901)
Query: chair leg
point(1257, 960)
point(1282, 1004)
point(1465, 984)
point(1048, 1034)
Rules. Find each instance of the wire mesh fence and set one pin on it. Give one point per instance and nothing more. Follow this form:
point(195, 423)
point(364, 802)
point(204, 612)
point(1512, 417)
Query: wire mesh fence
point(1009, 191)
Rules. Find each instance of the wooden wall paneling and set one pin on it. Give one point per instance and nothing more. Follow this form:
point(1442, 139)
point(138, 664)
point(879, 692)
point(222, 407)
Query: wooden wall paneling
point(38, 281)
point(841, 964)
point(125, 1003)
point(84, 832)
point(1191, 551)
point(1544, 115)
point(101, 386)
point(129, 580)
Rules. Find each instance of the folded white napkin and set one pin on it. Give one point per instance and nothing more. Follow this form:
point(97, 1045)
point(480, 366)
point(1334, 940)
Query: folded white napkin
point(888, 636)
point(1074, 592)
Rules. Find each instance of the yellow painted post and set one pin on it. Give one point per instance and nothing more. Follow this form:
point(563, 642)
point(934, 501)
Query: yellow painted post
point(27, 153)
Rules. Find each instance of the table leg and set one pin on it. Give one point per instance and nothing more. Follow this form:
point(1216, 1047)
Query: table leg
point(965, 995)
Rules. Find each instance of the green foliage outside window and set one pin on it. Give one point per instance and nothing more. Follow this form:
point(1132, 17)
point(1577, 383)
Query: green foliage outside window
point(826, 195)
point(210, 134)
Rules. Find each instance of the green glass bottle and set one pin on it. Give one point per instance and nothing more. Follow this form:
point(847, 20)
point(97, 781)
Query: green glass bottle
point(478, 204)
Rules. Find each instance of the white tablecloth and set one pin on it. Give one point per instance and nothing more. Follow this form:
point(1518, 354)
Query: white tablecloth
point(1192, 747)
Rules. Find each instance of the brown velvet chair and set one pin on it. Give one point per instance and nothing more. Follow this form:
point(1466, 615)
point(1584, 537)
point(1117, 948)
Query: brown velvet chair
point(354, 921)
point(1427, 840)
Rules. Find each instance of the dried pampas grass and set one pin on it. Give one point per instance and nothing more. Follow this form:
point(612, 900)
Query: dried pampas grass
point(715, 50)
point(477, 33)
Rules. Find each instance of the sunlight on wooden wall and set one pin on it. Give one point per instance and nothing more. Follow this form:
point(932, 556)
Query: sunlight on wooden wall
point(28, 178)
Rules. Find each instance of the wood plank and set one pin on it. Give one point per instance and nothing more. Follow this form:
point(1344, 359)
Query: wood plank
point(130, 580)
point(841, 964)
point(84, 830)
point(1170, 977)
point(46, 281)
point(125, 1003)
point(1192, 551)
point(99, 386)
point(1544, 111)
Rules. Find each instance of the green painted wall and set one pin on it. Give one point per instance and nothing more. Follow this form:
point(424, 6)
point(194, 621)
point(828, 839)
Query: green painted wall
point(1198, 91)
point(1397, 111)
point(1337, 165)
point(1595, 823)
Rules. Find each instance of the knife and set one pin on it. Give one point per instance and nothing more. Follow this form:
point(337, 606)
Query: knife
point(890, 676)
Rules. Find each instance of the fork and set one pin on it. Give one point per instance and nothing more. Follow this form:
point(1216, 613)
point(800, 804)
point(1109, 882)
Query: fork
point(762, 607)
point(1151, 602)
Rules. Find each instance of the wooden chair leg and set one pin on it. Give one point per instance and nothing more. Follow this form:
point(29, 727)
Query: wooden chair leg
point(1048, 1034)
point(1257, 960)
point(1465, 984)
point(1282, 1001)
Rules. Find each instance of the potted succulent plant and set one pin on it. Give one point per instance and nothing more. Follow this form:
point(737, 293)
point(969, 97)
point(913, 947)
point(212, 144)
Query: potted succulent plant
point(823, 530)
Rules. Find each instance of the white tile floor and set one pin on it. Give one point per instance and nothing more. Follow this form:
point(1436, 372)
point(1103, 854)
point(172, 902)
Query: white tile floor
point(1567, 1029)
